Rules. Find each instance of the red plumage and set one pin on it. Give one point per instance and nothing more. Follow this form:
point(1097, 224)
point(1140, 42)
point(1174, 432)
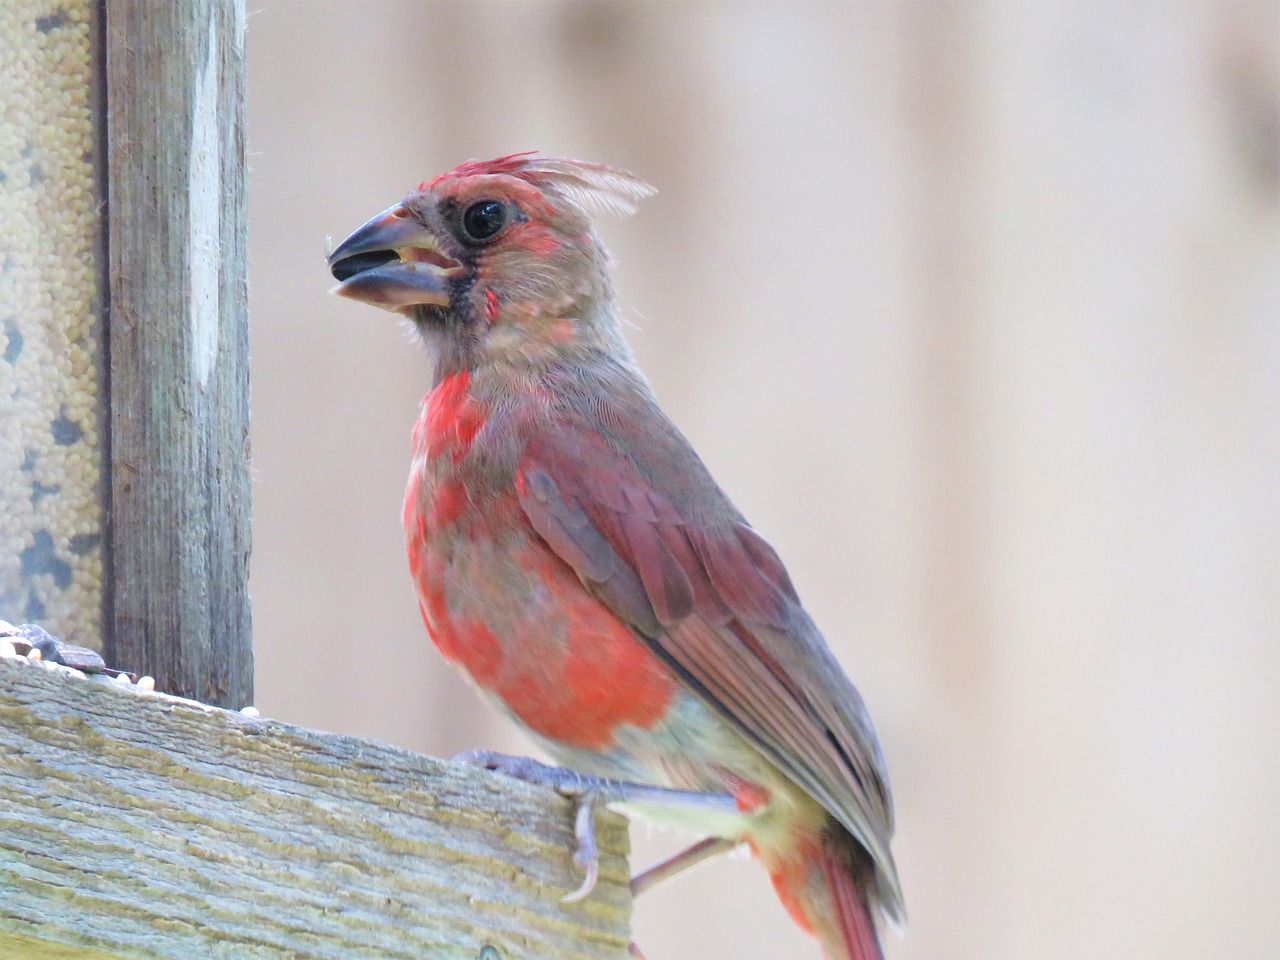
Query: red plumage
point(574, 557)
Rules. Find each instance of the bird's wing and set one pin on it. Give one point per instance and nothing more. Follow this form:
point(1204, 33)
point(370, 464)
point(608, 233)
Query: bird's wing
point(650, 533)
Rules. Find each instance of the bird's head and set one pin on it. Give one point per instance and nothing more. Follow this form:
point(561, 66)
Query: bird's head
point(499, 254)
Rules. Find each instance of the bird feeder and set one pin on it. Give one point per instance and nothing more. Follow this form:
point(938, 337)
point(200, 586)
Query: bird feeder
point(51, 369)
point(123, 338)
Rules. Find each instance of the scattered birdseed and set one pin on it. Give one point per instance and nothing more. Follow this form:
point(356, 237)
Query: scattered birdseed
point(50, 327)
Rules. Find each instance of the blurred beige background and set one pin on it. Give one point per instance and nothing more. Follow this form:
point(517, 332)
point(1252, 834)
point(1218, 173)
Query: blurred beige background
point(974, 309)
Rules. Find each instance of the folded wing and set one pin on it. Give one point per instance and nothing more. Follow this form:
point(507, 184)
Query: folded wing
point(650, 533)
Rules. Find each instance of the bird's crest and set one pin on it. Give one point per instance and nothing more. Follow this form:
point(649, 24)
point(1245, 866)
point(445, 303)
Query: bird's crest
point(596, 187)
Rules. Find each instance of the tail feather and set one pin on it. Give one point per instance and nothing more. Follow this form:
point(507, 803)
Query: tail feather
point(827, 886)
point(851, 908)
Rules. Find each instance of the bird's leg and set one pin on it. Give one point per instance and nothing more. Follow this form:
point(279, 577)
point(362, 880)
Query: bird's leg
point(678, 863)
point(675, 864)
point(592, 793)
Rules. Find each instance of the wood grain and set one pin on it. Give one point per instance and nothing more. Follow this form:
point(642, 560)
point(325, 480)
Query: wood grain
point(177, 338)
point(146, 826)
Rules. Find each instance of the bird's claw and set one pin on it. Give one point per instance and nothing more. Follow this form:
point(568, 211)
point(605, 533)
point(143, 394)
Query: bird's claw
point(592, 793)
point(526, 769)
point(568, 783)
point(587, 857)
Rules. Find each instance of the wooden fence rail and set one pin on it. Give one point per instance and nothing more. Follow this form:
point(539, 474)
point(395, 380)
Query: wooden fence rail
point(144, 826)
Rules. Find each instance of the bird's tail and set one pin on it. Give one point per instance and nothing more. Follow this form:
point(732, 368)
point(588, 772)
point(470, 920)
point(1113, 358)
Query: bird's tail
point(827, 885)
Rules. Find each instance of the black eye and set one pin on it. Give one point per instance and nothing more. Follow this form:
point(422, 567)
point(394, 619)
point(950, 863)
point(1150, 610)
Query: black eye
point(483, 220)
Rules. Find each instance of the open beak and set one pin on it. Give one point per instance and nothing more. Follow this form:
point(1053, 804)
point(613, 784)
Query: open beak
point(393, 262)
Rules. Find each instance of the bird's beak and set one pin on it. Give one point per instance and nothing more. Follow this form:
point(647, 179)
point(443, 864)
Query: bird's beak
point(393, 262)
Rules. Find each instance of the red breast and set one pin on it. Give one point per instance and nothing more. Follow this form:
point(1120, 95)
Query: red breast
point(504, 608)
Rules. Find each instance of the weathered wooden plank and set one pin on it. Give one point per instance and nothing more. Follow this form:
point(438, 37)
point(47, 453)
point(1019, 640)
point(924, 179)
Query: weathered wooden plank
point(145, 826)
point(177, 336)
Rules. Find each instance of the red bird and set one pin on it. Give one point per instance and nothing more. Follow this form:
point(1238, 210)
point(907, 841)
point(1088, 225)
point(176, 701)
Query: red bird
point(575, 558)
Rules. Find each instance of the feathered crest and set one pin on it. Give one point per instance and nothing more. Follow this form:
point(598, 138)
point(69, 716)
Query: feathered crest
point(595, 187)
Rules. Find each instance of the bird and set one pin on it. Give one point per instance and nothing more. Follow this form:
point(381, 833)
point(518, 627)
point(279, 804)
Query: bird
point(574, 557)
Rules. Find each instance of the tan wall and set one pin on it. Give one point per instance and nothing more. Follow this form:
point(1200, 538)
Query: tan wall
point(975, 310)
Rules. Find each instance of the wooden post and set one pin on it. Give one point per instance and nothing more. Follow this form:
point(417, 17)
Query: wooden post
point(138, 825)
point(177, 337)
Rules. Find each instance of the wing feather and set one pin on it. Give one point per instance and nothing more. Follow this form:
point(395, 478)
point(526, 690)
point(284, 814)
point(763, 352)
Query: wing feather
point(656, 540)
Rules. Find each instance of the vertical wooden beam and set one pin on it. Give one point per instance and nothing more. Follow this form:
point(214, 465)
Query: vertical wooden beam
point(178, 344)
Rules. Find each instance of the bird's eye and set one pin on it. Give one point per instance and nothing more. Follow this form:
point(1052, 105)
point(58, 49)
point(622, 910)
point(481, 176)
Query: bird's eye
point(482, 221)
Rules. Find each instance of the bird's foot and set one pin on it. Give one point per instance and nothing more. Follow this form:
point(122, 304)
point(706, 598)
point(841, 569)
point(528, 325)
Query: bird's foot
point(592, 793)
